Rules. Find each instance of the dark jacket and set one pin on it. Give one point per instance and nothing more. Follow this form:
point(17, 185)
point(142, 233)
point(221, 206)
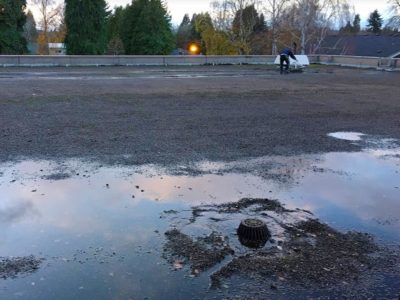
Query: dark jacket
point(288, 52)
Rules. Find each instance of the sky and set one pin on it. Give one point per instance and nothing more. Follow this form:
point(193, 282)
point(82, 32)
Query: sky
point(177, 8)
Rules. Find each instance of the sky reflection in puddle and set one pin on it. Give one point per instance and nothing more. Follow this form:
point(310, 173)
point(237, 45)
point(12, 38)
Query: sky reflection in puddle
point(348, 136)
point(101, 229)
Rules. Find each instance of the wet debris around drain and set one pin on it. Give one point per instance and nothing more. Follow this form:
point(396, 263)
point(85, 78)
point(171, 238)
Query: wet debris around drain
point(212, 247)
point(201, 253)
point(313, 254)
point(12, 267)
point(302, 254)
point(244, 206)
point(257, 205)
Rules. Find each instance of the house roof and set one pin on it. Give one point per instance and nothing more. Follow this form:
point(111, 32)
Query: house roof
point(56, 45)
point(361, 45)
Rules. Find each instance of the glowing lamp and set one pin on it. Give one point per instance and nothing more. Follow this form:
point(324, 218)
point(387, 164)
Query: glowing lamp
point(193, 49)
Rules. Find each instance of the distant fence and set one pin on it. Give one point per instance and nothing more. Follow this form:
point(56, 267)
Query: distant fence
point(138, 60)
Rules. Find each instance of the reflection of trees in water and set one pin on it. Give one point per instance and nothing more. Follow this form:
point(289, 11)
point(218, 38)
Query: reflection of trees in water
point(288, 170)
point(284, 171)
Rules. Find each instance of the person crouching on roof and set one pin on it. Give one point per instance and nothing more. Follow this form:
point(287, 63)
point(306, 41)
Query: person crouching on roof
point(285, 54)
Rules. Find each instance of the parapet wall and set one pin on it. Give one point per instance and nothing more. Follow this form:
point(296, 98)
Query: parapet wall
point(130, 60)
point(379, 63)
point(139, 60)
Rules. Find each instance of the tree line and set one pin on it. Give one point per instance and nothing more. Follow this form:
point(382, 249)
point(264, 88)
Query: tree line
point(144, 26)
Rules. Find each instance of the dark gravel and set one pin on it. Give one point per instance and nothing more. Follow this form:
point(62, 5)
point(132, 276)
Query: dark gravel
point(148, 115)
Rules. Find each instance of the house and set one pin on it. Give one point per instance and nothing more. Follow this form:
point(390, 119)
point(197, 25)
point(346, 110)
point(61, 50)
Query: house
point(57, 49)
point(361, 45)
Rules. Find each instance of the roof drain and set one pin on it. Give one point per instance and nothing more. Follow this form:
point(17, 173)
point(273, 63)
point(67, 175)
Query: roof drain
point(253, 233)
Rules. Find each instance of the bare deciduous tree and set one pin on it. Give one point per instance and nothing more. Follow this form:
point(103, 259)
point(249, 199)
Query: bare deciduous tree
point(274, 10)
point(395, 3)
point(51, 14)
point(225, 12)
point(394, 21)
point(346, 14)
point(304, 21)
point(313, 19)
point(221, 15)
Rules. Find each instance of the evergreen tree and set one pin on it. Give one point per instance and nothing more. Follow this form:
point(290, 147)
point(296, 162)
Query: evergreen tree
point(261, 25)
point(12, 20)
point(188, 34)
point(185, 21)
point(259, 39)
point(204, 29)
point(348, 29)
point(184, 34)
point(246, 20)
point(356, 24)
point(114, 31)
point(115, 22)
point(352, 28)
point(375, 22)
point(194, 34)
point(86, 26)
point(147, 28)
point(245, 25)
point(213, 42)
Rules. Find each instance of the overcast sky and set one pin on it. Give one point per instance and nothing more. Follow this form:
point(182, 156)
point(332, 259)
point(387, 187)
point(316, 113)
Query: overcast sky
point(177, 8)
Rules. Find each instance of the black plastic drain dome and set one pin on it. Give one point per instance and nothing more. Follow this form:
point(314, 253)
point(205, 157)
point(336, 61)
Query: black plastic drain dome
point(253, 233)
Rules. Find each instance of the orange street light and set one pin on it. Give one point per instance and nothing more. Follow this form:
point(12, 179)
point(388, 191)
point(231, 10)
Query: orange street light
point(194, 49)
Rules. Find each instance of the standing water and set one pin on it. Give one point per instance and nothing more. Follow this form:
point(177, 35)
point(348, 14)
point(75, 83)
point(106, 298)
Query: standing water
point(76, 229)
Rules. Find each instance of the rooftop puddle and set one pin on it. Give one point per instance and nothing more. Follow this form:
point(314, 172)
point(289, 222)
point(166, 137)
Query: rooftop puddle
point(81, 230)
point(348, 136)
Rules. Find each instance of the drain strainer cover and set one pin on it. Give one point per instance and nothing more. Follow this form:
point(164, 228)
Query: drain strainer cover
point(253, 233)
